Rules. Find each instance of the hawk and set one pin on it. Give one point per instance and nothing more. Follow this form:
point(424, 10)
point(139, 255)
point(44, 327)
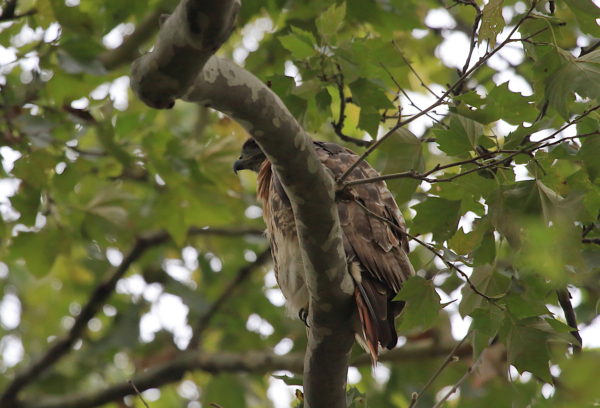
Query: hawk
point(376, 249)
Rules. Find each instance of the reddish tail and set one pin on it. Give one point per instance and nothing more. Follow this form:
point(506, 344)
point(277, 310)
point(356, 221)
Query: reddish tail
point(377, 313)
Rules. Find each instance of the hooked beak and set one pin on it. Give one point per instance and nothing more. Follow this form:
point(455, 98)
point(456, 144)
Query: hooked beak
point(238, 165)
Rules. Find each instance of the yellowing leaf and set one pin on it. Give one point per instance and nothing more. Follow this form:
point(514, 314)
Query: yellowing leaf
point(492, 22)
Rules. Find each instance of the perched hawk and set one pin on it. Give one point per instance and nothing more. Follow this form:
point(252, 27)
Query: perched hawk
point(376, 252)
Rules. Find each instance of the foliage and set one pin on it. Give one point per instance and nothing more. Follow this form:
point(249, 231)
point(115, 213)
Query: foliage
point(493, 157)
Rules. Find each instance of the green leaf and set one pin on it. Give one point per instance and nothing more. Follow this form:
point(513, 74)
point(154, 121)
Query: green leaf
point(422, 304)
point(329, 22)
point(403, 151)
point(289, 380)
point(486, 252)
point(438, 216)
point(492, 22)
point(580, 75)
point(368, 95)
point(487, 320)
point(509, 106)
point(369, 120)
point(38, 249)
point(461, 137)
point(463, 243)
point(590, 146)
point(524, 304)
point(300, 43)
point(587, 14)
point(527, 349)
point(487, 280)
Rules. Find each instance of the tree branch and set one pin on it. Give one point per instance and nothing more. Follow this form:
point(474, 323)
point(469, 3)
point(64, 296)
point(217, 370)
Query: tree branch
point(338, 127)
point(451, 357)
point(62, 346)
point(456, 85)
point(129, 48)
point(97, 299)
point(255, 362)
point(241, 276)
point(564, 299)
point(181, 66)
point(9, 11)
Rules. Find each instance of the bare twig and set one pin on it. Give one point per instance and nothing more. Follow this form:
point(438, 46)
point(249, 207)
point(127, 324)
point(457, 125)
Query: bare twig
point(407, 96)
point(412, 69)
point(564, 299)
point(339, 125)
point(432, 249)
point(473, 41)
point(241, 276)
point(529, 149)
point(139, 394)
point(459, 382)
point(589, 49)
point(457, 84)
point(451, 357)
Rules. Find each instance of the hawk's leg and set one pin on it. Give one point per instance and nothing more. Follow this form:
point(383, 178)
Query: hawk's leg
point(303, 315)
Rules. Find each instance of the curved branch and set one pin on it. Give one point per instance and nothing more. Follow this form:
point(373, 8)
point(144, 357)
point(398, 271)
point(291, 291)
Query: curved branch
point(181, 66)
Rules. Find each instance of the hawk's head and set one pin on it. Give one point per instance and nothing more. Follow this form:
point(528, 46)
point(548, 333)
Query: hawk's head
point(251, 157)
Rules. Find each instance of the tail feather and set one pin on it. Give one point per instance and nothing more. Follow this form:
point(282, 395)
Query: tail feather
point(368, 328)
point(376, 312)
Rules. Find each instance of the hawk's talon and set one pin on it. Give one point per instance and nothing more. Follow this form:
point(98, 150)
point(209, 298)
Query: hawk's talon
point(303, 315)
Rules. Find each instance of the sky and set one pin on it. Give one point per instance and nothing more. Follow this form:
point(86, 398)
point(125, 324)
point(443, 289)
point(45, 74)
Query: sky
point(168, 311)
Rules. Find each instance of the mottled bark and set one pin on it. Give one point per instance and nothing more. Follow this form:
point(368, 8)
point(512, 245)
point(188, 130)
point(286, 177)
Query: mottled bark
point(182, 66)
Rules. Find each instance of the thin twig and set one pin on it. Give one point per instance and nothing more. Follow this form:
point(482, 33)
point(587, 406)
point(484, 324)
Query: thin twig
point(412, 69)
point(473, 35)
point(459, 382)
point(529, 149)
point(9, 11)
point(432, 249)
point(589, 49)
point(440, 100)
point(139, 394)
point(242, 275)
point(97, 299)
point(339, 125)
point(450, 358)
point(407, 96)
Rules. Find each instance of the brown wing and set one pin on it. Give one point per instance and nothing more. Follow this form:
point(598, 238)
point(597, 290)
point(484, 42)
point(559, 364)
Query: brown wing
point(379, 247)
point(379, 250)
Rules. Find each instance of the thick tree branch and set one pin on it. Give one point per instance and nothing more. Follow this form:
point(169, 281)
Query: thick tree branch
point(129, 48)
point(255, 362)
point(180, 58)
point(97, 299)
